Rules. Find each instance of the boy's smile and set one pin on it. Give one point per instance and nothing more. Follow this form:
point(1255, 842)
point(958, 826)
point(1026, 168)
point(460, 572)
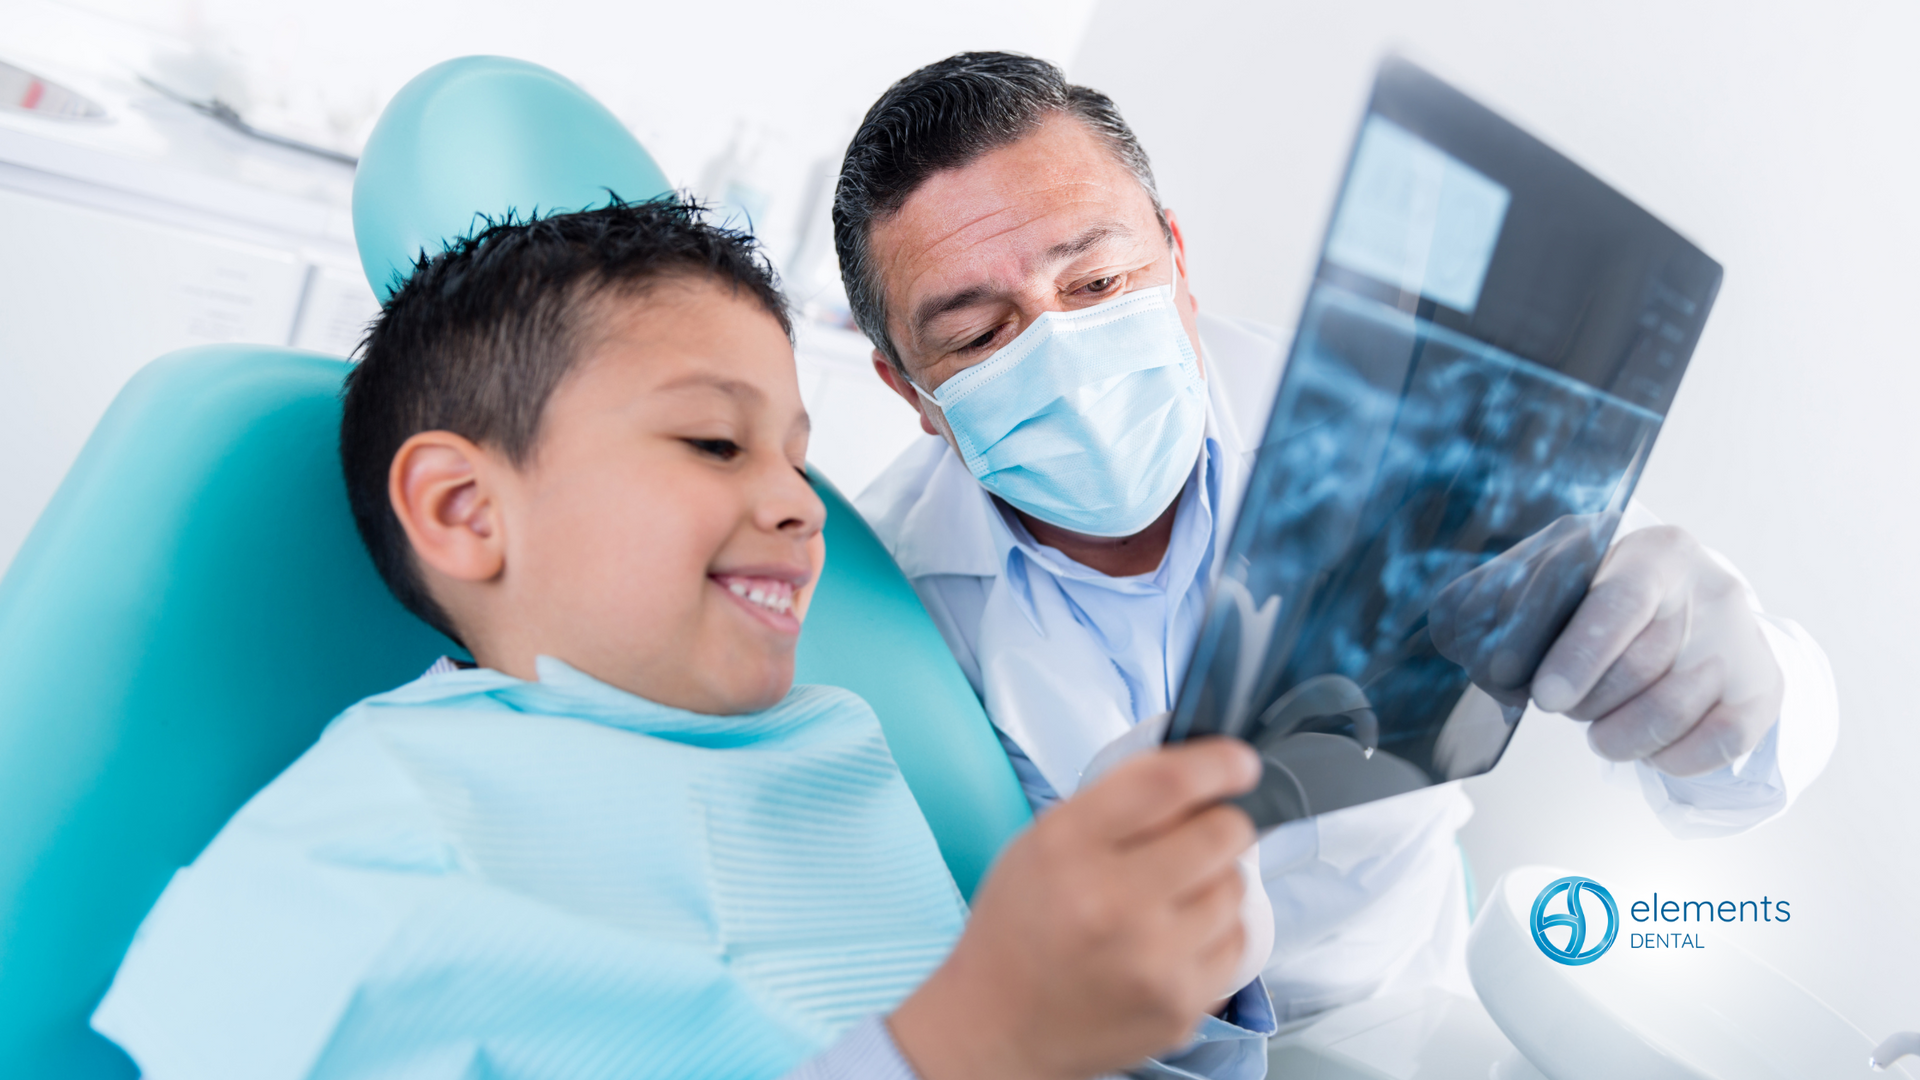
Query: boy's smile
point(662, 537)
point(765, 594)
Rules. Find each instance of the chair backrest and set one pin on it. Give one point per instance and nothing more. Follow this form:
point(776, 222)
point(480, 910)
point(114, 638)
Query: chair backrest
point(194, 605)
point(485, 135)
point(189, 611)
point(867, 631)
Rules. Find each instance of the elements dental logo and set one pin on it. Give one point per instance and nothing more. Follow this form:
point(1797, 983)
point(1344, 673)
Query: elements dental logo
point(1575, 950)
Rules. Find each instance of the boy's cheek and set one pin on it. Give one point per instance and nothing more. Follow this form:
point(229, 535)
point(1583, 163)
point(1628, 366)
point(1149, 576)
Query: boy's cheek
point(817, 558)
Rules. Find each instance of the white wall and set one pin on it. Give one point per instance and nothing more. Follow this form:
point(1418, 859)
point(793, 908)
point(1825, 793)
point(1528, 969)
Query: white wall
point(1784, 139)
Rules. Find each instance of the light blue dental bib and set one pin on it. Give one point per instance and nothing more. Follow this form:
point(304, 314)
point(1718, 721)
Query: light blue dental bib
point(474, 876)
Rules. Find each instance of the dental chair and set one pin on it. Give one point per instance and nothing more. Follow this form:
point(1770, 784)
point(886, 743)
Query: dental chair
point(194, 604)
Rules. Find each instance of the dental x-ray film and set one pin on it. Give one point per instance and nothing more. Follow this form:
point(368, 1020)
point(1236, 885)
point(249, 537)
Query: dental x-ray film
point(1488, 348)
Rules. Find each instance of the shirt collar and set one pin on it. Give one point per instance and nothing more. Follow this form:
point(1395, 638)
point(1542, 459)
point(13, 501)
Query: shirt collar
point(950, 523)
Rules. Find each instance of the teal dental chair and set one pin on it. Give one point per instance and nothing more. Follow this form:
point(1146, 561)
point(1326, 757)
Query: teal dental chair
point(194, 605)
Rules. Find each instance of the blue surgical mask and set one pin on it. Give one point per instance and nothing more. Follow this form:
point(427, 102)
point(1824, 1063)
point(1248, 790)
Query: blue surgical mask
point(1090, 420)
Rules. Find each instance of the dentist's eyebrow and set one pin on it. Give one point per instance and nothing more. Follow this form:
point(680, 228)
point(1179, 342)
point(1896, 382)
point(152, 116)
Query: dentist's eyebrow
point(935, 306)
point(1092, 237)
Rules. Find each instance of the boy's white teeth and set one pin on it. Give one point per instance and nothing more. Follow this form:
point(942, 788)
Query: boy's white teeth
point(772, 595)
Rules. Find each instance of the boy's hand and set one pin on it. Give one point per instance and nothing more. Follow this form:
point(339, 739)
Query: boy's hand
point(1256, 908)
point(1103, 934)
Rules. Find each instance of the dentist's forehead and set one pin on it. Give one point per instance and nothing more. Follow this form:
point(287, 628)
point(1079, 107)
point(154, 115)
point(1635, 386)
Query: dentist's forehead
point(1002, 218)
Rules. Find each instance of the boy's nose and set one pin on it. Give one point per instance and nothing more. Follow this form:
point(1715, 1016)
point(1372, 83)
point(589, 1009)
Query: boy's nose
point(790, 504)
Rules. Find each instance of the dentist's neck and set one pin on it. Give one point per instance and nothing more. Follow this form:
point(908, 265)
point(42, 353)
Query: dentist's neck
point(1114, 556)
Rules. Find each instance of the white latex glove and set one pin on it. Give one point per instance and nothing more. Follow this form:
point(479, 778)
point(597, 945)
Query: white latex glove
point(1256, 909)
point(1665, 658)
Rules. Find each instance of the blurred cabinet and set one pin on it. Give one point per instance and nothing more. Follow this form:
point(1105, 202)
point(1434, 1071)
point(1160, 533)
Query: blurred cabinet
point(108, 260)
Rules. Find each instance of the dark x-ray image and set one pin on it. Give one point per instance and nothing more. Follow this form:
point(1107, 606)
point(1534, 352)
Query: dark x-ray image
point(1486, 355)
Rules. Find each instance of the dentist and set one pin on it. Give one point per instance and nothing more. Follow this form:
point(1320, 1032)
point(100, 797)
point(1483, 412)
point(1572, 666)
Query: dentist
point(1089, 436)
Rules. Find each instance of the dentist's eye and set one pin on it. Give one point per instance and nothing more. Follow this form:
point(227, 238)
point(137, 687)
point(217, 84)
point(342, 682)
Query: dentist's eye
point(724, 449)
point(1101, 285)
point(980, 342)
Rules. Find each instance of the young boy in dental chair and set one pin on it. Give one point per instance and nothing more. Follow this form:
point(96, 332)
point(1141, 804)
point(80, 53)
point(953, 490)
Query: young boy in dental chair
point(622, 844)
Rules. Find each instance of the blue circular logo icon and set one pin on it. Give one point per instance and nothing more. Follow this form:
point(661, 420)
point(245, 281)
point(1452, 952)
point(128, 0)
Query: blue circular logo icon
point(1574, 950)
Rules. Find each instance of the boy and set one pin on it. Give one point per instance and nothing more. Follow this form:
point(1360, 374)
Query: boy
point(621, 844)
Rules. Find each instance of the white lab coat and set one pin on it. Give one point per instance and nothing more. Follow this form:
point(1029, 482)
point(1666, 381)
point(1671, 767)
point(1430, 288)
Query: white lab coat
point(1367, 900)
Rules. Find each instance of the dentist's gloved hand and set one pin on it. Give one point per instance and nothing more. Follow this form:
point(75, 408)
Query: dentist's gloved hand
point(1498, 620)
point(1665, 658)
point(1102, 934)
point(1256, 907)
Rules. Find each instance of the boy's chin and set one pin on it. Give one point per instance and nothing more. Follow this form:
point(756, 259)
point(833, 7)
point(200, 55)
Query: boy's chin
point(753, 694)
point(761, 701)
point(721, 693)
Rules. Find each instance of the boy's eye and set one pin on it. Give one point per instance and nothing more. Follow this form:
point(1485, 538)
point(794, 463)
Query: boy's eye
point(724, 449)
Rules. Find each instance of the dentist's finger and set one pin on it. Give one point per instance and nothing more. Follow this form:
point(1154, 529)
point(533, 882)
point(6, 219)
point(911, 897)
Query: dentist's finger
point(1642, 578)
point(1732, 728)
point(1646, 660)
point(1659, 716)
point(1611, 616)
point(1726, 732)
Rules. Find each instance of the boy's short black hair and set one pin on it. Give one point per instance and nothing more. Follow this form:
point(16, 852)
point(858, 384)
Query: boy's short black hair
point(479, 336)
point(942, 117)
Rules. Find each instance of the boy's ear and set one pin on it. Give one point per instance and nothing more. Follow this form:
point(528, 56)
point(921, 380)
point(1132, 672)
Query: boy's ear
point(441, 490)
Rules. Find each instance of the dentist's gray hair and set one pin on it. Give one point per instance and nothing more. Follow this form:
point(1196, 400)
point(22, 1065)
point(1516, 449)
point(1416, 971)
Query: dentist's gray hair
point(942, 117)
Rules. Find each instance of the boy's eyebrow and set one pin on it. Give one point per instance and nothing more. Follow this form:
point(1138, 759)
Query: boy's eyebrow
point(708, 380)
point(735, 388)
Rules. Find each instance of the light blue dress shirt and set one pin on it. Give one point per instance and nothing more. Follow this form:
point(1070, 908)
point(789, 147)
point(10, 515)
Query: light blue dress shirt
point(1146, 624)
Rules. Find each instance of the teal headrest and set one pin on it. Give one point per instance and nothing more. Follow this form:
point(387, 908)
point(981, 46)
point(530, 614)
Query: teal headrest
point(483, 135)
